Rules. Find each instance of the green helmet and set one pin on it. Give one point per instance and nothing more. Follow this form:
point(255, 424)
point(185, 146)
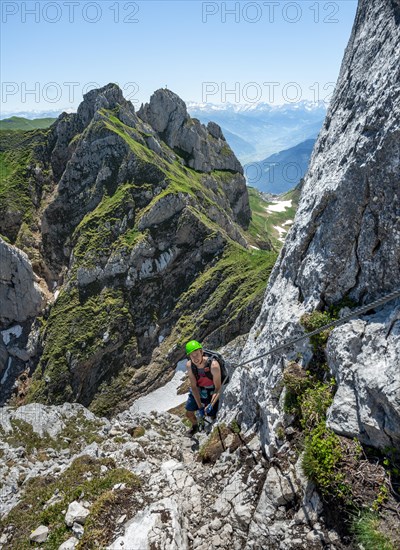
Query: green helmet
point(192, 346)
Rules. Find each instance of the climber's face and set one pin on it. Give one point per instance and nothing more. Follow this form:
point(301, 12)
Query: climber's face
point(196, 356)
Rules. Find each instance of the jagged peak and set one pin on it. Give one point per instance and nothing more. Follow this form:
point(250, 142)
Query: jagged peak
point(203, 148)
point(164, 107)
point(107, 97)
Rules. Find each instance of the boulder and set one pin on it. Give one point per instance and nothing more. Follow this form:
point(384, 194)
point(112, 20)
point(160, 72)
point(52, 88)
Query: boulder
point(76, 513)
point(279, 488)
point(40, 534)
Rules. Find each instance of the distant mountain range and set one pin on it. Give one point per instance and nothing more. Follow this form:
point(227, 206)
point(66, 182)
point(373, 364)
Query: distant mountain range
point(281, 171)
point(257, 131)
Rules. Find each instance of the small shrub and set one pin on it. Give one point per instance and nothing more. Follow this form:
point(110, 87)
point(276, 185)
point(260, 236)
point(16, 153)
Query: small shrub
point(322, 455)
point(138, 431)
point(280, 433)
point(313, 321)
point(314, 404)
point(235, 426)
point(382, 497)
point(367, 533)
point(296, 382)
point(119, 439)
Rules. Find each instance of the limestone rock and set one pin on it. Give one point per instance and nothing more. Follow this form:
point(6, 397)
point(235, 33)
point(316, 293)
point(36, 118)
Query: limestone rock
point(40, 534)
point(107, 97)
point(3, 357)
point(76, 513)
point(364, 356)
point(203, 148)
point(20, 295)
point(159, 524)
point(69, 544)
point(165, 208)
point(345, 241)
point(279, 488)
point(48, 419)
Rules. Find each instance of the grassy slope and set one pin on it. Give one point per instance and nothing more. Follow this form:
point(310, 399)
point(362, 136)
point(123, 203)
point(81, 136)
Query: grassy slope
point(21, 123)
point(17, 185)
point(263, 222)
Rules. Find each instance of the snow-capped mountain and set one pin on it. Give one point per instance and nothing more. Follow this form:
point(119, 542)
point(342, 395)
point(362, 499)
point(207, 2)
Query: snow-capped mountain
point(256, 131)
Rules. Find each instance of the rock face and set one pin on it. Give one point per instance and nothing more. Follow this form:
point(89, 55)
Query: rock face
point(20, 295)
point(203, 148)
point(181, 503)
point(137, 222)
point(21, 299)
point(345, 242)
point(364, 358)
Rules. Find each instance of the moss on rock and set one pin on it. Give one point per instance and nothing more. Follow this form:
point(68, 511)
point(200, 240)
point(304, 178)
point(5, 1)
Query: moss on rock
point(81, 331)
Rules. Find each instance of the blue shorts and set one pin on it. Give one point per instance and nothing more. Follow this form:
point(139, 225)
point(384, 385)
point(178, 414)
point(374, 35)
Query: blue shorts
point(205, 396)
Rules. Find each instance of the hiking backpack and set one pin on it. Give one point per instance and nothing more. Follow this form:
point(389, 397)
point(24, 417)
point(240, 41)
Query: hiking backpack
point(222, 363)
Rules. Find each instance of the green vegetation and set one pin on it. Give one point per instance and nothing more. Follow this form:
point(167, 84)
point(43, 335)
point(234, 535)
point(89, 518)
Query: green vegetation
point(111, 392)
point(235, 426)
point(101, 231)
point(15, 193)
point(263, 223)
point(76, 432)
point(313, 321)
point(23, 182)
point(74, 334)
point(234, 285)
point(21, 123)
point(367, 530)
point(296, 381)
point(85, 477)
point(321, 461)
point(315, 402)
point(306, 397)
point(337, 465)
point(226, 151)
point(138, 431)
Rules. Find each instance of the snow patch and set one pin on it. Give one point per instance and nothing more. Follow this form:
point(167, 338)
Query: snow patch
point(16, 331)
point(5, 375)
point(164, 398)
point(281, 230)
point(278, 206)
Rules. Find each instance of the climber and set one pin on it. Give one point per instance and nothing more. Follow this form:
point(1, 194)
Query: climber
point(205, 384)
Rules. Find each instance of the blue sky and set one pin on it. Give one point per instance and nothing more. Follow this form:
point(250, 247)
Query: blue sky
point(54, 51)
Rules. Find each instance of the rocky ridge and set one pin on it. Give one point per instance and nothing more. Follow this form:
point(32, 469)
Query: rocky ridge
point(236, 500)
point(130, 231)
